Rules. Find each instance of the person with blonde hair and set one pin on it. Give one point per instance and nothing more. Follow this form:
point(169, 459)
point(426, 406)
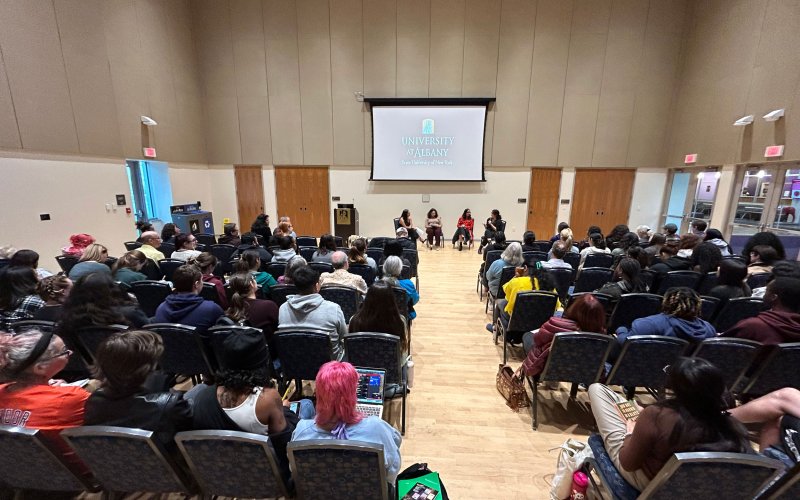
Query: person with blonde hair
point(93, 260)
point(127, 269)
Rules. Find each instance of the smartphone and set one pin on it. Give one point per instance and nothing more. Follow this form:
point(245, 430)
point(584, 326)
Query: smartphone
point(295, 407)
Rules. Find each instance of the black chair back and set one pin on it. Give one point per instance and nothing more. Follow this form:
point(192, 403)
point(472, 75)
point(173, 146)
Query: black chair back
point(66, 262)
point(491, 256)
point(413, 258)
point(151, 270)
point(307, 252)
point(736, 310)
point(709, 306)
point(776, 371)
point(573, 259)
point(169, 266)
point(349, 299)
point(110, 450)
point(184, 352)
point(110, 262)
point(643, 359)
point(321, 267)
point(224, 255)
point(303, 352)
point(336, 479)
point(363, 270)
point(376, 253)
point(598, 260)
point(29, 462)
point(531, 310)
point(276, 269)
point(731, 355)
point(206, 239)
point(758, 280)
point(306, 241)
point(90, 337)
point(132, 245)
point(375, 350)
point(339, 241)
point(563, 280)
point(506, 275)
point(632, 306)
point(209, 292)
point(216, 459)
point(405, 273)
point(708, 282)
point(688, 279)
point(608, 301)
point(532, 257)
point(542, 246)
point(402, 300)
point(167, 249)
point(150, 295)
point(567, 347)
point(378, 242)
point(649, 278)
point(280, 292)
point(592, 278)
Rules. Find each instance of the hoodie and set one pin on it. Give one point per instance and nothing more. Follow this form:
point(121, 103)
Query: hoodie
point(188, 309)
point(283, 255)
point(542, 340)
point(669, 326)
point(312, 311)
point(722, 245)
point(769, 327)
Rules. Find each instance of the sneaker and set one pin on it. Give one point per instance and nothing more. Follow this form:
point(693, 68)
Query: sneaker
point(490, 327)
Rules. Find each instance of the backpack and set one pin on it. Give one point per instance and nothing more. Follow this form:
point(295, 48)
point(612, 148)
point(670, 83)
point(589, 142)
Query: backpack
point(418, 481)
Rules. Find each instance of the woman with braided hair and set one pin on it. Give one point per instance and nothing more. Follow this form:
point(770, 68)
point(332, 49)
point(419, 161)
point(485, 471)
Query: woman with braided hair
point(679, 318)
point(54, 291)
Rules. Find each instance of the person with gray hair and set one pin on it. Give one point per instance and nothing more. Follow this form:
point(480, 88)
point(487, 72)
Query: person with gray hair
point(392, 270)
point(292, 265)
point(511, 256)
point(341, 276)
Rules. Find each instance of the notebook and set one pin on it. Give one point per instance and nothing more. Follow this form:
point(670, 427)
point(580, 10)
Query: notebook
point(369, 391)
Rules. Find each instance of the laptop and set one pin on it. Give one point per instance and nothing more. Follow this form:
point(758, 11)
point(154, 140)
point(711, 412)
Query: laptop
point(369, 391)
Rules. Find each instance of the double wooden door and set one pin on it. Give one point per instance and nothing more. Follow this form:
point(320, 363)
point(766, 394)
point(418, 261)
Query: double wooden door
point(543, 201)
point(601, 197)
point(302, 193)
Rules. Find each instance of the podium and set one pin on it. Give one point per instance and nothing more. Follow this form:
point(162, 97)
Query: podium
point(345, 221)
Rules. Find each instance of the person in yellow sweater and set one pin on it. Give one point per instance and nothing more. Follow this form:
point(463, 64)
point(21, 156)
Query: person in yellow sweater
point(533, 277)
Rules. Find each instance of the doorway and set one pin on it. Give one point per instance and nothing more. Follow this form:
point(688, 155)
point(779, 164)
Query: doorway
point(249, 194)
point(151, 191)
point(601, 197)
point(543, 201)
point(302, 193)
point(691, 197)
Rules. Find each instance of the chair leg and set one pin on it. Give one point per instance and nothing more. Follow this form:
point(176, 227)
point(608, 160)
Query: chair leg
point(630, 392)
point(505, 347)
point(534, 404)
point(403, 412)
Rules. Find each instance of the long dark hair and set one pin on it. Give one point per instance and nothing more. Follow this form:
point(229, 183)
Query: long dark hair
point(597, 241)
point(240, 284)
point(763, 238)
point(699, 397)
point(168, 231)
point(16, 283)
point(379, 313)
point(356, 252)
point(94, 300)
point(464, 214)
point(404, 215)
point(327, 243)
point(630, 270)
point(732, 272)
point(706, 257)
point(25, 258)
point(249, 262)
point(543, 276)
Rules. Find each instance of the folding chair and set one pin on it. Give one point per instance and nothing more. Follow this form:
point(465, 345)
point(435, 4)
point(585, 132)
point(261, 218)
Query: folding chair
point(531, 310)
point(688, 279)
point(150, 295)
point(642, 361)
point(632, 306)
point(736, 310)
point(731, 355)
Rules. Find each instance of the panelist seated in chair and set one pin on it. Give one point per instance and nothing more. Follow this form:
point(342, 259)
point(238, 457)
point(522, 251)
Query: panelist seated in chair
point(407, 223)
point(337, 417)
point(680, 318)
point(694, 418)
point(464, 228)
point(341, 276)
point(491, 227)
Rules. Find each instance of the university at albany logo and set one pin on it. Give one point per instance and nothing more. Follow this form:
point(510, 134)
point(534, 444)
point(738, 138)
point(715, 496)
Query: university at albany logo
point(427, 126)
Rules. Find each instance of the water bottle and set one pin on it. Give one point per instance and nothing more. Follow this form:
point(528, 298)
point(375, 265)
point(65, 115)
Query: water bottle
point(580, 482)
point(410, 373)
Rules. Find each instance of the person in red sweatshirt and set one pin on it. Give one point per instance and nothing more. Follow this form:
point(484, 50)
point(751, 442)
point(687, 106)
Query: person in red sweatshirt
point(585, 314)
point(781, 323)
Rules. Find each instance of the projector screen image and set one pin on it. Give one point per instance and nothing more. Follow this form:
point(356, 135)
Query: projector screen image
point(428, 143)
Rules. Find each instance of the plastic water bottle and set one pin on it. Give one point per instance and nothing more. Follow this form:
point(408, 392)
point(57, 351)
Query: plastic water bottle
point(410, 373)
point(580, 483)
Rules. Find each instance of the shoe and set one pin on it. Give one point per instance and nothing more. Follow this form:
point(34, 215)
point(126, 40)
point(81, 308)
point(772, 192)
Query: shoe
point(490, 327)
point(460, 246)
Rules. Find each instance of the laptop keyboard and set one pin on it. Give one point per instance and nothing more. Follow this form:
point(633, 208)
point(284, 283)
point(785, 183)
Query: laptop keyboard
point(369, 410)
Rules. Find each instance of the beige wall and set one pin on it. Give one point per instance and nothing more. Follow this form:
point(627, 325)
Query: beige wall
point(76, 75)
point(741, 59)
point(578, 83)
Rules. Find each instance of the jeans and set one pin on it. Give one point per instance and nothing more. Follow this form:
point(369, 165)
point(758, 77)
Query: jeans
point(462, 232)
point(307, 410)
point(527, 341)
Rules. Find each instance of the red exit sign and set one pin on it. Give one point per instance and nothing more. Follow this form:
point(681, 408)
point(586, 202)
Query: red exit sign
point(692, 158)
point(773, 151)
point(149, 152)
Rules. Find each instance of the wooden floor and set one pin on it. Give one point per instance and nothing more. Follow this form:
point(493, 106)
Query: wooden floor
point(456, 420)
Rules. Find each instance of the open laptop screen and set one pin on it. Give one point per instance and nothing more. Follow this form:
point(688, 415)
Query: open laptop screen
point(370, 385)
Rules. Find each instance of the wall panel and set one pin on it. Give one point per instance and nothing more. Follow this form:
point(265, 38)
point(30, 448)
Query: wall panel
point(447, 47)
point(347, 76)
point(413, 47)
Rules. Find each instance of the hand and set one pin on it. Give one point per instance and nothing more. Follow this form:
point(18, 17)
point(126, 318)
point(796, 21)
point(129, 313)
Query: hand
point(629, 425)
point(287, 403)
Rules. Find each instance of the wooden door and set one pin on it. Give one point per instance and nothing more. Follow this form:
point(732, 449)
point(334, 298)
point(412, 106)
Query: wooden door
point(249, 194)
point(543, 201)
point(601, 197)
point(302, 194)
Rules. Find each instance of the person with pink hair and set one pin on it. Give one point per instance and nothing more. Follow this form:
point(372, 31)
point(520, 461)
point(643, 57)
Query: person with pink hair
point(337, 417)
point(78, 243)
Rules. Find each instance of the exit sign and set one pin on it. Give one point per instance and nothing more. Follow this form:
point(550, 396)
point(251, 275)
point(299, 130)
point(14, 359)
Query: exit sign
point(149, 152)
point(692, 158)
point(773, 151)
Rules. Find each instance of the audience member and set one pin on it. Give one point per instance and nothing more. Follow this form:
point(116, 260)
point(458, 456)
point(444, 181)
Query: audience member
point(54, 291)
point(28, 258)
point(406, 222)
point(694, 418)
point(308, 309)
point(615, 235)
point(680, 318)
point(558, 252)
point(626, 279)
point(294, 264)
point(643, 232)
point(127, 269)
point(206, 262)
point(143, 226)
point(653, 250)
point(341, 276)
point(124, 362)
point(730, 282)
point(671, 234)
point(260, 226)
point(528, 242)
point(585, 314)
point(627, 241)
point(566, 237)
point(636, 253)
point(150, 242)
point(706, 258)
point(464, 228)
point(184, 305)
point(92, 261)
point(95, 300)
point(597, 244)
point(358, 254)
point(392, 268)
point(247, 310)
point(327, 245)
point(782, 268)
point(781, 323)
point(6, 252)
point(681, 261)
point(761, 259)
point(404, 240)
point(285, 227)
point(698, 228)
point(511, 256)
point(337, 417)
point(768, 411)
point(491, 227)
point(18, 298)
point(77, 244)
point(250, 262)
point(393, 247)
point(185, 247)
point(286, 250)
point(379, 313)
point(250, 241)
point(230, 235)
point(499, 243)
point(526, 278)
point(169, 232)
point(764, 238)
point(433, 228)
point(715, 236)
point(561, 226)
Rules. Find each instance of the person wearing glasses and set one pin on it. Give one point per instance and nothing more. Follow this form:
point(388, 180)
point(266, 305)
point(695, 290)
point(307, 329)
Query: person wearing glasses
point(464, 228)
point(150, 243)
point(93, 260)
point(185, 247)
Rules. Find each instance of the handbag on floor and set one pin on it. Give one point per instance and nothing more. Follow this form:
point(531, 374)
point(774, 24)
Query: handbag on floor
point(418, 482)
point(571, 457)
point(512, 388)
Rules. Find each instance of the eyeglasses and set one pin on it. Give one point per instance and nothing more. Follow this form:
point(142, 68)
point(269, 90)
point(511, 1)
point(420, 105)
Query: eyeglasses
point(65, 352)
